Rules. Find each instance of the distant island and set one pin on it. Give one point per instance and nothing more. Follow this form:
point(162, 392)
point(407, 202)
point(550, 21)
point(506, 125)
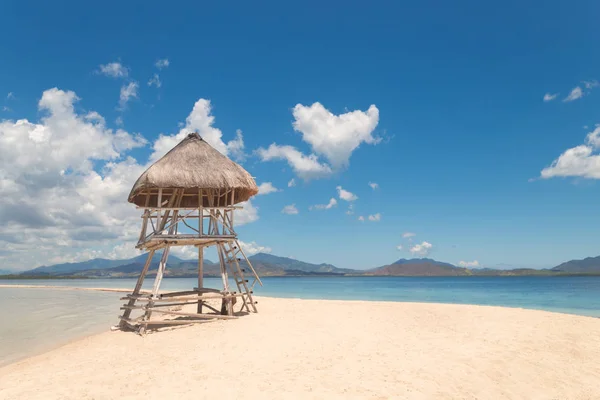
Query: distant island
point(271, 265)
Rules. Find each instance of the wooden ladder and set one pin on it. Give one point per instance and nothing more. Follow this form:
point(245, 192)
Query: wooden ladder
point(231, 250)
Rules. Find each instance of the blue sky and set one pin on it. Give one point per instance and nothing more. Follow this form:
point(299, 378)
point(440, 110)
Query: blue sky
point(458, 147)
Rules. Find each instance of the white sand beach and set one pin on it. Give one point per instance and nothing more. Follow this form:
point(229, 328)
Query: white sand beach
point(322, 349)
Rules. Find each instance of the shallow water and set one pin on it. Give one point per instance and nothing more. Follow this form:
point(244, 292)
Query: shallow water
point(35, 320)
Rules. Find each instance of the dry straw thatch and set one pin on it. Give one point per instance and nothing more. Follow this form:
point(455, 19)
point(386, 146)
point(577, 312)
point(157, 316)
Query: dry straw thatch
point(193, 164)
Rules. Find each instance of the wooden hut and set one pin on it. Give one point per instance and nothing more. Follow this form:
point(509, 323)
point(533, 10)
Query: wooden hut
point(189, 198)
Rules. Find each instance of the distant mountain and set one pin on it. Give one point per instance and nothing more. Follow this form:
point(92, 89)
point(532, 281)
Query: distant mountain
point(95, 264)
point(419, 267)
point(271, 265)
point(586, 266)
point(264, 264)
point(268, 264)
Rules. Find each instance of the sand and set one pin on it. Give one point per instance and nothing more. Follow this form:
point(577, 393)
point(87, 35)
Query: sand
point(319, 349)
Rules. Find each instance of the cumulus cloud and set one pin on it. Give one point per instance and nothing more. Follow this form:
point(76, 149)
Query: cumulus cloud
point(407, 235)
point(421, 249)
point(290, 210)
point(469, 264)
point(550, 96)
point(128, 92)
point(292, 183)
point(361, 218)
point(114, 70)
point(251, 248)
point(54, 160)
point(332, 203)
point(575, 94)
point(373, 185)
point(155, 81)
point(346, 195)
point(82, 171)
point(306, 167)
point(163, 63)
point(334, 137)
point(266, 188)
point(580, 161)
point(350, 210)
point(249, 213)
point(375, 217)
point(200, 120)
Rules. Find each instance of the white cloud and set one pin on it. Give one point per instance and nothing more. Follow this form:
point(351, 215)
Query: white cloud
point(306, 167)
point(292, 183)
point(81, 170)
point(200, 120)
point(421, 249)
point(350, 209)
point(290, 210)
point(155, 81)
point(361, 218)
point(119, 121)
point(580, 161)
point(332, 203)
point(252, 248)
point(407, 235)
point(235, 147)
point(374, 185)
point(163, 63)
point(575, 94)
point(375, 217)
point(185, 252)
point(590, 84)
point(469, 264)
point(128, 92)
point(346, 195)
point(266, 188)
point(246, 215)
point(10, 95)
point(83, 212)
point(550, 96)
point(114, 70)
point(335, 137)
point(399, 247)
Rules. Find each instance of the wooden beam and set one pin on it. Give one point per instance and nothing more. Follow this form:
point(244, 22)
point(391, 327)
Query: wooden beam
point(184, 314)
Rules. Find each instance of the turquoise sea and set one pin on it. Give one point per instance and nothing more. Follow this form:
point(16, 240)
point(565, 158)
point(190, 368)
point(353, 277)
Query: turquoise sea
point(36, 320)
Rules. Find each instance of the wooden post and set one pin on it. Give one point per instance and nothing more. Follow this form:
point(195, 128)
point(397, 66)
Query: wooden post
point(200, 275)
point(138, 287)
point(227, 302)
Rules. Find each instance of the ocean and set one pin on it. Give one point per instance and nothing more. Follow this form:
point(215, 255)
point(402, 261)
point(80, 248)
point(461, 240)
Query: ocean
point(36, 320)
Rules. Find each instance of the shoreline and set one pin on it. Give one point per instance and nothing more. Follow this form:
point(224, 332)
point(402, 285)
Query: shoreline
point(125, 290)
point(330, 349)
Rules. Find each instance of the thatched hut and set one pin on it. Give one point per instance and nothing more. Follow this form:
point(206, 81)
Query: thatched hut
point(191, 165)
point(189, 197)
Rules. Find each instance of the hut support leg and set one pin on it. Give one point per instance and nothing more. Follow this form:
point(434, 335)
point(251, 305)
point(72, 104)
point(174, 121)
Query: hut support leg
point(227, 304)
point(200, 276)
point(136, 290)
point(156, 287)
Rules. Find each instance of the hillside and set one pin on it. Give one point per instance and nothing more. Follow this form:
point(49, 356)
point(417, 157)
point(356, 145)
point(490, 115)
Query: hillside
point(589, 265)
point(269, 264)
point(265, 265)
point(419, 267)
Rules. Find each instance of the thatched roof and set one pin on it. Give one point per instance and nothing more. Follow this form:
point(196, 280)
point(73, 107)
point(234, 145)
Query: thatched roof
point(194, 164)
